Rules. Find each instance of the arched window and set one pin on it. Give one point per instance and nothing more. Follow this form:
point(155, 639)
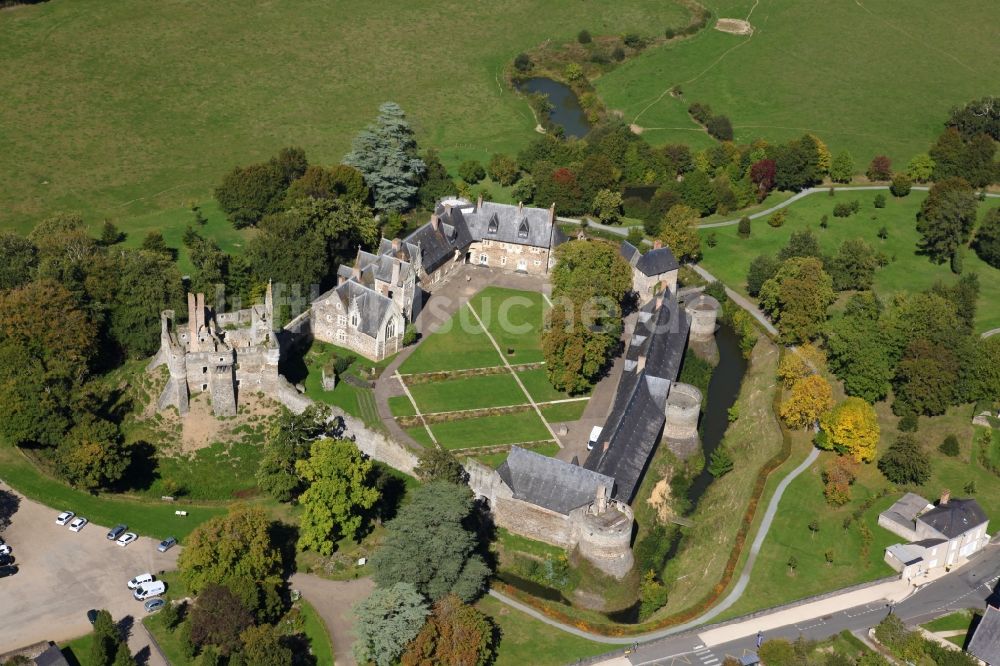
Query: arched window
point(390, 329)
point(354, 319)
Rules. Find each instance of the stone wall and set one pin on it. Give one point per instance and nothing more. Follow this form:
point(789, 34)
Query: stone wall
point(330, 324)
point(683, 410)
point(510, 257)
point(648, 285)
point(604, 539)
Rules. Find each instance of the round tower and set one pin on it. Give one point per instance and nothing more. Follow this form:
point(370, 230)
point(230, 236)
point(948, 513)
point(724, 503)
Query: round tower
point(682, 412)
point(703, 311)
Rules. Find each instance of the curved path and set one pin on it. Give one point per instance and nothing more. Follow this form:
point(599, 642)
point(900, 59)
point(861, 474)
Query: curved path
point(991, 333)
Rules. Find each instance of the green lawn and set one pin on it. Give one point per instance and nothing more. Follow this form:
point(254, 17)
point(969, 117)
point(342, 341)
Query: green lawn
point(491, 430)
point(494, 460)
point(358, 402)
point(236, 81)
point(514, 318)
point(143, 515)
point(459, 344)
point(419, 434)
point(564, 411)
point(810, 67)
point(216, 472)
point(537, 382)
point(526, 640)
point(468, 393)
point(77, 651)
point(959, 620)
point(315, 631)
point(169, 641)
point(401, 405)
point(907, 271)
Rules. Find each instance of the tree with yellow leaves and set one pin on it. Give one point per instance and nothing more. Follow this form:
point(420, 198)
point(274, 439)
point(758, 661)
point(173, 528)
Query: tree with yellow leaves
point(851, 428)
point(680, 232)
point(800, 362)
point(810, 397)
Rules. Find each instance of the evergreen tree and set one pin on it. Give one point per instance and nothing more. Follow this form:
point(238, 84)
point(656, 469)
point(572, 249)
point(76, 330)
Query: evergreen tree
point(905, 462)
point(386, 621)
point(698, 192)
point(987, 244)
point(386, 154)
point(946, 218)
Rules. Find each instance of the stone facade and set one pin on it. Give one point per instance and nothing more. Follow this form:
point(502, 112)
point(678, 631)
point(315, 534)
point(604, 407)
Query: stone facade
point(653, 272)
point(680, 430)
point(510, 256)
point(703, 312)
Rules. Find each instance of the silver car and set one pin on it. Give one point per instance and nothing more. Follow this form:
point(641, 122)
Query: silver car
point(153, 605)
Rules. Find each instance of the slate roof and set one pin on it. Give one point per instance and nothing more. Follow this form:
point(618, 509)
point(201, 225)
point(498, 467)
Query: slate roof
point(660, 336)
point(379, 267)
point(905, 511)
point(985, 643)
point(654, 262)
point(439, 245)
point(523, 225)
point(956, 517)
point(372, 306)
point(52, 656)
point(550, 483)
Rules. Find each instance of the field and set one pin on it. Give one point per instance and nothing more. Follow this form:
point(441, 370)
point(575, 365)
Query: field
point(863, 76)
point(908, 271)
point(144, 106)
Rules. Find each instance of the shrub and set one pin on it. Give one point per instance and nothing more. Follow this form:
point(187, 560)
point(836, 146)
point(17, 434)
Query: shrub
point(777, 218)
point(901, 185)
point(880, 168)
point(410, 335)
point(720, 127)
point(633, 41)
point(717, 290)
point(573, 72)
point(712, 239)
point(700, 112)
point(846, 208)
point(883, 233)
point(583, 37)
point(522, 62)
point(744, 227)
point(824, 221)
point(635, 236)
point(949, 446)
point(956, 261)
point(502, 169)
point(618, 54)
point(669, 33)
point(720, 463)
point(838, 477)
point(653, 594)
point(471, 171)
point(880, 200)
point(909, 423)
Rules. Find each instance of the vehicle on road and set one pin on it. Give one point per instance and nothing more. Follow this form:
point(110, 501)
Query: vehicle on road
point(153, 605)
point(78, 524)
point(147, 590)
point(5, 550)
point(139, 580)
point(167, 544)
point(116, 531)
point(595, 434)
point(64, 517)
point(6, 559)
point(8, 570)
point(92, 615)
point(126, 539)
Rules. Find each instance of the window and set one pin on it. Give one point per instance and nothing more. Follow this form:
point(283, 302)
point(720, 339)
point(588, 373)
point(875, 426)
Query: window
point(341, 321)
point(503, 260)
point(492, 226)
point(339, 306)
point(204, 370)
point(390, 329)
point(354, 319)
point(341, 335)
point(522, 230)
point(483, 259)
point(329, 317)
point(204, 387)
point(537, 262)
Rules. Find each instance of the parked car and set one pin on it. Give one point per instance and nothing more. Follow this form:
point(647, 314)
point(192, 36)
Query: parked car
point(167, 544)
point(153, 605)
point(92, 615)
point(78, 524)
point(147, 590)
point(5, 550)
point(8, 570)
point(64, 517)
point(116, 531)
point(140, 579)
point(6, 559)
point(126, 539)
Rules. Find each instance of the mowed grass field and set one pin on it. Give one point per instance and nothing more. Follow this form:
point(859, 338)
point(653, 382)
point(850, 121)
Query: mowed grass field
point(907, 270)
point(514, 318)
point(871, 77)
point(121, 109)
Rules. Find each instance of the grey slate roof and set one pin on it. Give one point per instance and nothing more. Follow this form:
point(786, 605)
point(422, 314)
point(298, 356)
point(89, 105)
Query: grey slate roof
point(907, 553)
point(52, 656)
point(905, 510)
point(379, 267)
point(372, 306)
point(654, 262)
point(439, 245)
point(511, 224)
point(985, 643)
point(956, 517)
point(661, 337)
point(550, 483)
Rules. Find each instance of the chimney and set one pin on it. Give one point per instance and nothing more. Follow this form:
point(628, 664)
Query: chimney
point(657, 244)
point(479, 202)
point(520, 208)
point(945, 497)
point(447, 210)
point(395, 273)
point(201, 311)
point(552, 213)
point(435, 222)
point(659, 300)
point(395, 245)
point(601, 500)
point(356, 271)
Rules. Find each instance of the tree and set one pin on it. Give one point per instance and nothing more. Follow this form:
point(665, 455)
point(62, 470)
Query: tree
point(288, 441)
point(560, 187)
point(905, 462)
point(842, 168)
point(503, 169)
point(762, 268)
point(809, 399)
point(455, 633)
point(802, 243)
point(838, 476)
point(218, 618)
point(652, 595)
point(984, 373)
point(901, 184)
point(154, 243)
point(987, 244)
point(575, 353)
point(148, 284)
point(852, 428)
point(796, 164)
point(386, 154)
point(777, 652)
point(18, 260)
point(437, 464)
point(111, 234)
point(979, 168)
point(592, 267)
point(429, 545)
point(679, 232)
point(262, 647)
point(797, 298)
point(106, 638)
point(720, 128)
point(607, 206)
point(246, 194)
point(880, 168)
point(583, 37)
point(854, 265)
point(471, 171)
point(927, 379)
point(698, 193)
point(949, 446)
point(861, 356)
point(744, 227)
point(799, 363)
point(318, 182)
point(720, 463)
point(436, 183)
point(920, 168)
point(93, 454)
point(339, 492)
point(946, 218)
point(386, 621)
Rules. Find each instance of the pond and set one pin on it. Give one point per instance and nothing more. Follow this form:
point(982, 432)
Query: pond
point(566, 110)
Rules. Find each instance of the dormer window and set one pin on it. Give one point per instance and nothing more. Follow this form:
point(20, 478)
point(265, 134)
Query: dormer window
point(522, 230)
point(492, 227)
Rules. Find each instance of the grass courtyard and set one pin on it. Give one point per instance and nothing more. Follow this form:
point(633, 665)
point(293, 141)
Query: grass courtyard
point(907, 271)
point(810, 67)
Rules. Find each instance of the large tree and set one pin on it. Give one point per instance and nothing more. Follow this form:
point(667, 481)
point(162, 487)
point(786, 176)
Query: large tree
point(987, 243)
point(809, 398)
point(946, 218)
point(386, 621)
point(858, 352)
point(218, 618)
point(262, 647)
point(93, 454)
point(18, 260)
point(386, 154)
point(905, 462)
point(594, 267)
point(854, 265)
point(339, 492)
point(851, 428)
point(455, 633)
point(432, 545)
point(797, 298)
point(927, 379)
point(679, 232)
point(148, 283)
point(288, 441)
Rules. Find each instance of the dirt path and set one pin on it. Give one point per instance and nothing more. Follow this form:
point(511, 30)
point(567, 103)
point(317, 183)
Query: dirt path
point(333, 600)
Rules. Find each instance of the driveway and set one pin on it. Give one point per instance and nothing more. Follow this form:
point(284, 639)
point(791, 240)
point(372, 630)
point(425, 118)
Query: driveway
point(63, 574)
point(333, 600)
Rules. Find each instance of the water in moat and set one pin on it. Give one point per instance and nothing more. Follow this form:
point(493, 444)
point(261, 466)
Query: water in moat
point(566, 110)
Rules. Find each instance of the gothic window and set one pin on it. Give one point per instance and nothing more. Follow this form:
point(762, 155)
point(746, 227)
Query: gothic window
point(522, 231)
point(354, 319)
point(390, 329)
point(204, 370)
point(341, 321)
point(341, 336)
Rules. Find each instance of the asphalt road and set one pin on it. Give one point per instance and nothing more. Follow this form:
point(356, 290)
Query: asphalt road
point(63, 574)
point(967, 587)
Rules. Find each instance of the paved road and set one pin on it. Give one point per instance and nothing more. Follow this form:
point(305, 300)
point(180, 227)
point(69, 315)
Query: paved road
point(333, 600)
point(64, 574)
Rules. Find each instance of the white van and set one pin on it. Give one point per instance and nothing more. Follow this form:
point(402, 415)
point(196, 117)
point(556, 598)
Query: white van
point(147, 590)
point(139, 580)
point(595, 434)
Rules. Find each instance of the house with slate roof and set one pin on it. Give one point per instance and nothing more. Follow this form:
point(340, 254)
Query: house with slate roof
point(985, 643)
point(653, 271)
point(358, 316)
point(938, 536)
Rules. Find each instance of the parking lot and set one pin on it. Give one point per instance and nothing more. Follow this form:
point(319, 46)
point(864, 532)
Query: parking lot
point(64, 574)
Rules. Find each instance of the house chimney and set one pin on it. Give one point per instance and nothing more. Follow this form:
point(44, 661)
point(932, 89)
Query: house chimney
point(479, 202)
point(395, 273)
point(657, 244)
point(945, 497)
point(520, 208)
point(395, 245)
point(552, 213)
point(601, 500)
point(435, 222)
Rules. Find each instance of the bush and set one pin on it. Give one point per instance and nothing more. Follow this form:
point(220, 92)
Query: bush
point(720, 127)
point(522, 62)
point(700, 112)
point(653, 594)
point(720, 462)
point(909, 423)
point(669, 33)
point(618, 54)
point(471, 171)
point(744, 227)
point(410, 335)
point(949, 446)
point(901, 185)
point(846, 208)
point(777, 218)
point(502, 169)
point(824, 221)
point(583, 37)
point(905, 462)
point(633, 41)
point(956, 261)
point(717, 290)
point(635, 207)
point(880, 168)
point(880, 200)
